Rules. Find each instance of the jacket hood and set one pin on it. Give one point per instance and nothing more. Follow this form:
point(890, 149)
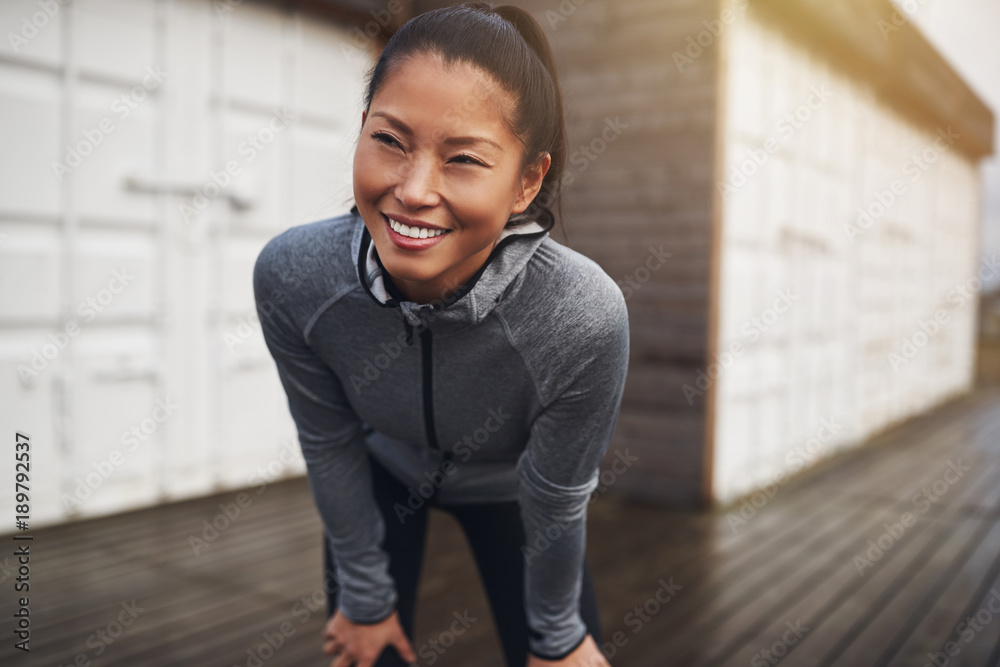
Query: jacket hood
point(472, 302)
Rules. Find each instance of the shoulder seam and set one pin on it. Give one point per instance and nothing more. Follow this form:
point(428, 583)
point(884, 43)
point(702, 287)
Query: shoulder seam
point(323, 307)
point(527, 366)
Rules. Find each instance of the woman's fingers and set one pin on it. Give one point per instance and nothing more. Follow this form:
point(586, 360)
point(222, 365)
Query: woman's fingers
point(328, 629)
point(402, 645)
point(343, 660)
point(347, 660)
point(353, 645)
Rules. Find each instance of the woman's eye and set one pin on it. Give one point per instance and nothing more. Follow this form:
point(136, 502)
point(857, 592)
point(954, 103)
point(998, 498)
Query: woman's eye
point(385, 139)
point(467, 159)
point(389, 140)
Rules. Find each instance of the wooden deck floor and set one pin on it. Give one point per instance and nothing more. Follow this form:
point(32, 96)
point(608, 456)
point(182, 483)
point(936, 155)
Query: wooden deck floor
point(795, 565)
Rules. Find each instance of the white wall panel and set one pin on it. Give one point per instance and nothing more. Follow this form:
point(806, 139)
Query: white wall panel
point(107, 159)
point(322, 182)
point(37, 33)
point(829, 355)
point(254, 55)
point(114, 38)
point(29, 112)
point(117, 368)
point(162, 339)
point(30, 273)
point(115, 277)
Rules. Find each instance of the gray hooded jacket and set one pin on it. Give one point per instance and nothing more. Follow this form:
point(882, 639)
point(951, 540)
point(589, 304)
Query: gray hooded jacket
point(508, 390)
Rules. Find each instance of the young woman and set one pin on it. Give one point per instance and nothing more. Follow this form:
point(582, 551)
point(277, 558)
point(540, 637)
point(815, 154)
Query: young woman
point(439, 349)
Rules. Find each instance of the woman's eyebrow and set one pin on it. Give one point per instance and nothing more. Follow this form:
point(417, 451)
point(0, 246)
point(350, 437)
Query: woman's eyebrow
point(451, 141)
point(400, 125)
point(467, 141)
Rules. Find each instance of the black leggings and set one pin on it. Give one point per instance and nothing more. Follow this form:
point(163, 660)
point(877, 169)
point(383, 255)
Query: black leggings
point(495, 534)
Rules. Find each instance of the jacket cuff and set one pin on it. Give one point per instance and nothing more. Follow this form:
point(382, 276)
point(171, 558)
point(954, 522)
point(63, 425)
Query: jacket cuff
point(365, 596)
point(540, 647)
point(372, 622)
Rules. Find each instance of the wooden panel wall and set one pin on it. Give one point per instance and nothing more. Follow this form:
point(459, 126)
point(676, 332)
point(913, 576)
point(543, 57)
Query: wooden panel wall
point(638, 183)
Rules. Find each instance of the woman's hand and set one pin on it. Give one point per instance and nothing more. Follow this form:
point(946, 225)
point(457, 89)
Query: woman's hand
point(586, 654)
point(360, 645)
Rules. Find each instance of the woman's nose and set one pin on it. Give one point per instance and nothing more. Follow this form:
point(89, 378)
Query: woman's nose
point(418, 185)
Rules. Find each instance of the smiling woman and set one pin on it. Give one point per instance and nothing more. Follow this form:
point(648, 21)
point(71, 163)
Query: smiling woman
point(463, 177)
point(503, 412)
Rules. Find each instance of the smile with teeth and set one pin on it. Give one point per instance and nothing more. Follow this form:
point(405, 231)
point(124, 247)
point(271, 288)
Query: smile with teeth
point(414, 232)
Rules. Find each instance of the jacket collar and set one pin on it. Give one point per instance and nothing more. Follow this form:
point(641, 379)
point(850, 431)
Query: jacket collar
point(473, 301)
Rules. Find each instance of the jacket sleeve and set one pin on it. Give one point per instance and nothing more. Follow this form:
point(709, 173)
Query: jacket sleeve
point(558, 472)
point(332, 441)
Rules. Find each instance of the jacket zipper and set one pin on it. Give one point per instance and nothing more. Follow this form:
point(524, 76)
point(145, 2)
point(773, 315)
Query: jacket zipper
point(428, 390)
point(428, 382)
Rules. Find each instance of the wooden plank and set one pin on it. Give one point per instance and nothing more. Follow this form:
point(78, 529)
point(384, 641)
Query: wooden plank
point(964, 598)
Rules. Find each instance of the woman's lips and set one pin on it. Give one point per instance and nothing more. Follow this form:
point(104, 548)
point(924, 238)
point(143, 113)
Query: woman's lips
point(408, 243)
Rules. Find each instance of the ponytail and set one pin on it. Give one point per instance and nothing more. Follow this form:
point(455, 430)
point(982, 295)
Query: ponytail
point(534, 35)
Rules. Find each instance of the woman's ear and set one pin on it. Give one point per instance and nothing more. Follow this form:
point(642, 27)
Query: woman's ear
point(531, 182)
point(364, 115)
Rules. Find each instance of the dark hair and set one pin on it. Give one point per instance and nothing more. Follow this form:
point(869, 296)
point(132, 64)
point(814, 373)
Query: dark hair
point(509, 44)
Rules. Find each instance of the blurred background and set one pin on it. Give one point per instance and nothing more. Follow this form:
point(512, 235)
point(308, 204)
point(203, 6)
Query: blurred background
point(820, 348)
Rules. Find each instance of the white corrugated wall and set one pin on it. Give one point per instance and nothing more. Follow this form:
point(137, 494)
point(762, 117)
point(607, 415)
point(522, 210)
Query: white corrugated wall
point(129, 349)
point(854, 347)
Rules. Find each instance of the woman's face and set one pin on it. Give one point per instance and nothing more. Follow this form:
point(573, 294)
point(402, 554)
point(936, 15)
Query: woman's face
point(436, 160)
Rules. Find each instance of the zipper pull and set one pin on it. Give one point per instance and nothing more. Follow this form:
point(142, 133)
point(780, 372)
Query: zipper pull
point(409, 331)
